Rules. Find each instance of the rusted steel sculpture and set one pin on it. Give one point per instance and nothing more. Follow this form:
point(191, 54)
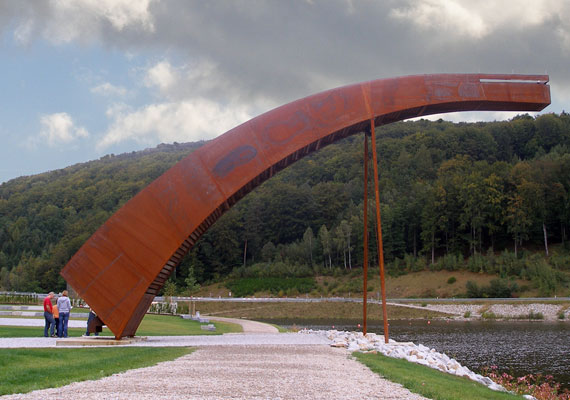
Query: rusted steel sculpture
point(120, 269)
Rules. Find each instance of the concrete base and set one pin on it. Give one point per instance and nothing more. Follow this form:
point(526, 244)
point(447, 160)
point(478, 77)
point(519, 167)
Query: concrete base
point(97, 341)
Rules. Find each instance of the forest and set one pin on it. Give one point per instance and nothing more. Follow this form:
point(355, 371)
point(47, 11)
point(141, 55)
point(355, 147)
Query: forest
point(490, 197)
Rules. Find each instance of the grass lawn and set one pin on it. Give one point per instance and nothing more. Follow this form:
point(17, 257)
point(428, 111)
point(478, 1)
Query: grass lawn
point(80, 310)
point(169, 325)
point(24, 370)
point(7, 331)
point(152, 325)
point(428, 382)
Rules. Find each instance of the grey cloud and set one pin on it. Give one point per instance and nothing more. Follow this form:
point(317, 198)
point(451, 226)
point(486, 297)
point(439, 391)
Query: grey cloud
point(283, 50)
point(278, 49)
point(14, 14)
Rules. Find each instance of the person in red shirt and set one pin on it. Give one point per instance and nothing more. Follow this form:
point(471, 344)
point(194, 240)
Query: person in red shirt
point(48, 315)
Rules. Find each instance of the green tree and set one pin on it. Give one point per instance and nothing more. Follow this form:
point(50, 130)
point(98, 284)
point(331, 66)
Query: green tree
point(472, 199)
point(326, 243)
point(431, 219)
point(192, 284)
point(495, 202)
point(309, 244)
point(345, 230)
point(517, 219)
point(268, 252)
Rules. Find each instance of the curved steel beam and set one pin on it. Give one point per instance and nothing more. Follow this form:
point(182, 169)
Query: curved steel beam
point(121, 268)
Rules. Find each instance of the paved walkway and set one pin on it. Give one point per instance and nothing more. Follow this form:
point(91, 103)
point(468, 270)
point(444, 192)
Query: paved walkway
point(248, 326)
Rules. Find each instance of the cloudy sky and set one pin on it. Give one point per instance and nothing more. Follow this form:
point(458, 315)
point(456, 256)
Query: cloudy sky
point(83, 78)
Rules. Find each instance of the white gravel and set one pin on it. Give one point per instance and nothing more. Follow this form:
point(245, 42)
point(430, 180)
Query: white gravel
point(549, 311)
point(456, 309)
point(419, 354)
point(507, 311)
point(241, 372)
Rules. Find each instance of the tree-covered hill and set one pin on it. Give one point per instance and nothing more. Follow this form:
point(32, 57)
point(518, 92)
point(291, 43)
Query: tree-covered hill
point(486, 197)
point(45, 218)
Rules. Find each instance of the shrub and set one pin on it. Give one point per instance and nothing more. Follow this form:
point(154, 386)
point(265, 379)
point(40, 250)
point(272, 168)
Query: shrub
point(467, 314)
point(544, 276)
point(489, 315)
point(451, 280)
point(498, 288)
point(277, 269)
point(560, 261)
point(249, 286)
point(509, 264)
point(450, 262)
point(561, 315)
point(476, 263)
point(414, 264)
point(535, 315)
point(183, 307)
point(354, 285)
point(394, 269)
point(473, 290)
point(170, 289)
point(19, 298)
point(536, 385)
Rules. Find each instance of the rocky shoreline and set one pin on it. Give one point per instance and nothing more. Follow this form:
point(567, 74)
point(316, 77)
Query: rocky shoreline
point(419, 354)
point(533, 311)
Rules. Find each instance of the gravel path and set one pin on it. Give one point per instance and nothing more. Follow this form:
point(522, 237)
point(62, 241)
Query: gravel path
point(240, 372)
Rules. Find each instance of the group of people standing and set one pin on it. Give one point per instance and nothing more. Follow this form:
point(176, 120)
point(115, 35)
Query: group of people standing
point(56, 315)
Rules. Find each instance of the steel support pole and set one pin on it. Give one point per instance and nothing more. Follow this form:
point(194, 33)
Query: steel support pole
point(365, 279)
point(379, 229)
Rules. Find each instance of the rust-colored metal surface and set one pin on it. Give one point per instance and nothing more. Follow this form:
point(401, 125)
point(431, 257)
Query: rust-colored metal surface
point(365, 240)
point(122, 266)
point(379, 231)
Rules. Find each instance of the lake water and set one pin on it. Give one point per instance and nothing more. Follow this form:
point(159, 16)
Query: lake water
point(517, 347)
